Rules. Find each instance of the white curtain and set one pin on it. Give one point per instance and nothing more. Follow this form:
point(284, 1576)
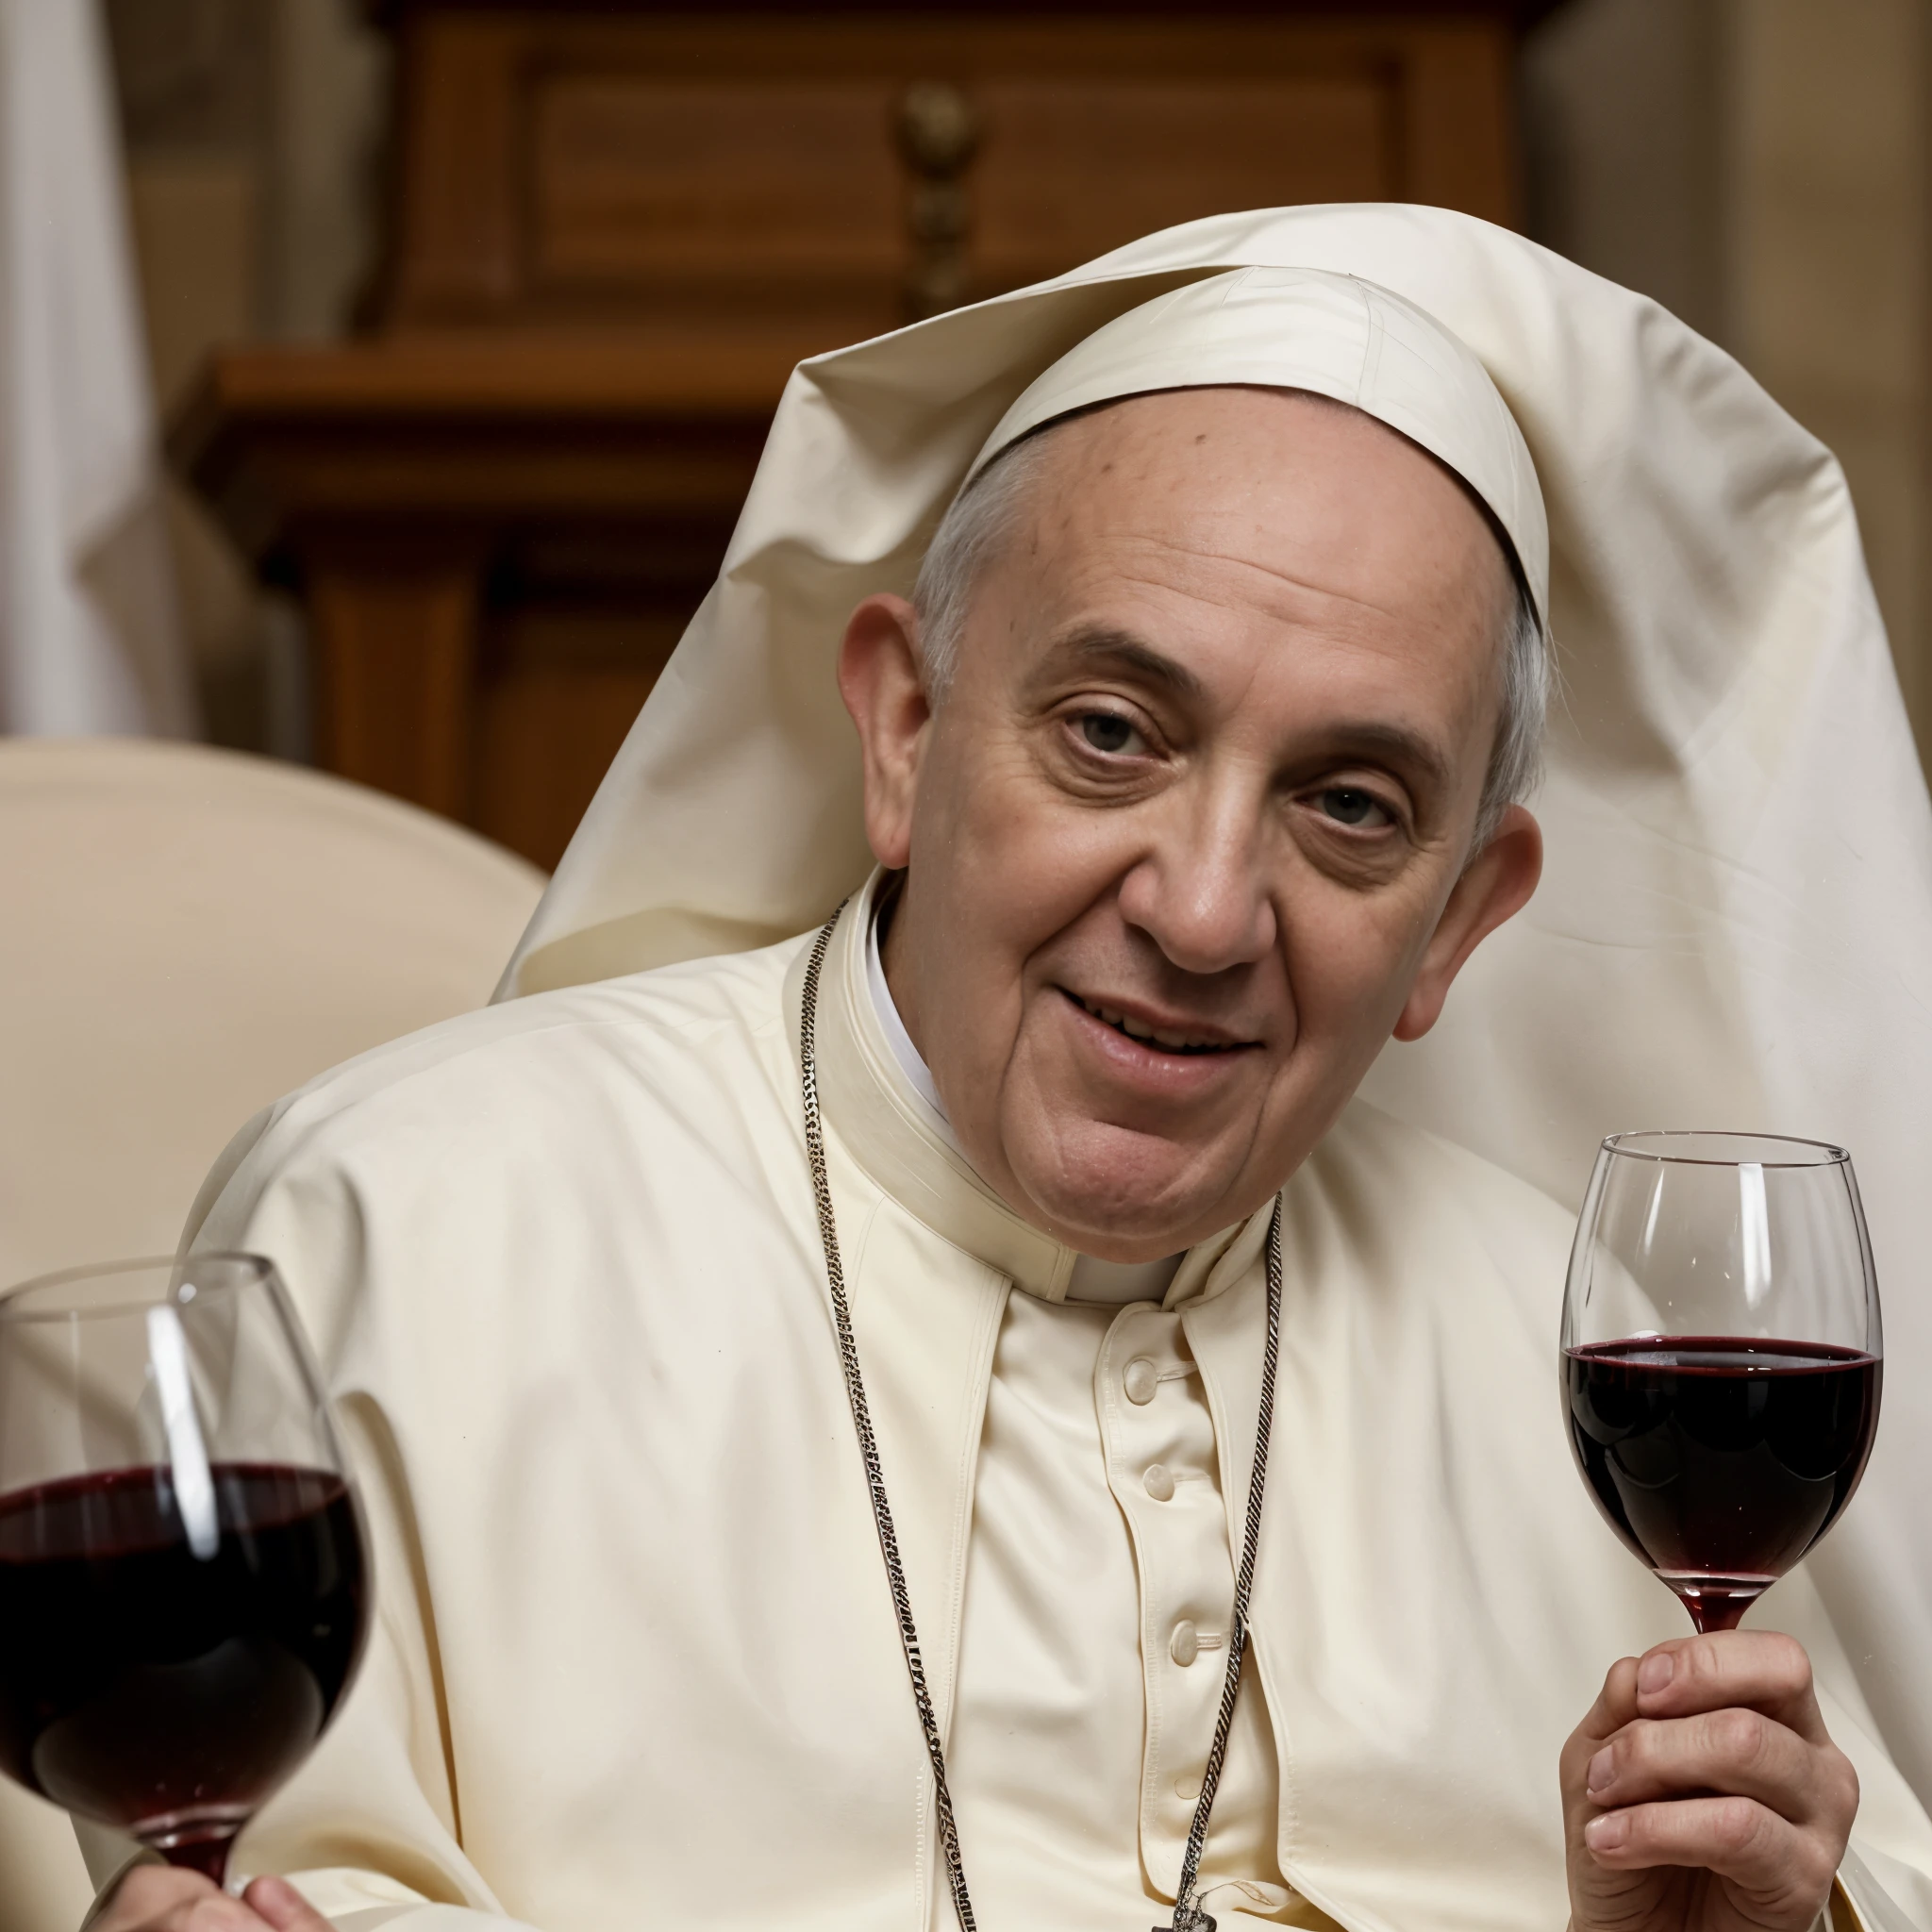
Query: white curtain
point(89, 627)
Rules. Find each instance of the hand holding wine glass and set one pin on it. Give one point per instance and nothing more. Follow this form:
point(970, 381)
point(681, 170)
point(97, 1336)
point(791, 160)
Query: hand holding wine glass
point(183, 1578)
point(1702, 1793)
point(169, 1898)
point(1721, 1363)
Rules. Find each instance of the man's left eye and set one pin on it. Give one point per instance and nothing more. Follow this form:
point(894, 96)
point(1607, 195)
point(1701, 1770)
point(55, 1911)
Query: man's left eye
point(1109, 731)
point(1347, 806)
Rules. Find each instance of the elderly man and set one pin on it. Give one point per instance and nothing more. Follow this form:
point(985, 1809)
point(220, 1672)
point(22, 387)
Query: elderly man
point(1020, 1226)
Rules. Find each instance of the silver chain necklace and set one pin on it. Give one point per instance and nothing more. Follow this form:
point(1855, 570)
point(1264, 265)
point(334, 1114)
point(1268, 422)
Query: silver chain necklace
point(1187, 1916)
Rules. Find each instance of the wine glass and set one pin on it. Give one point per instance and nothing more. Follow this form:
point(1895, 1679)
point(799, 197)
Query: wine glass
point(1721, 1354)
point(184, 1588)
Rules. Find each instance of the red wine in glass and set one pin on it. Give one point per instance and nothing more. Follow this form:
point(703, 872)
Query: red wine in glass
point(1721, 1460)
point(161, 1691)
point(1720, 1356)
point(184, 1591)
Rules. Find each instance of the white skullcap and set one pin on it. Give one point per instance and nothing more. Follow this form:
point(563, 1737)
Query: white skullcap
point(1335, 335)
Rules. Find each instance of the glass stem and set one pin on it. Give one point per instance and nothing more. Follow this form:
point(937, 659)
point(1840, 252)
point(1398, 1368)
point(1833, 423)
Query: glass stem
point(207, 1855)
point(1717, 1611)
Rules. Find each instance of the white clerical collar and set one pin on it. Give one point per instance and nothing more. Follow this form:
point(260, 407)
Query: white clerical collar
point(1093, 1279)
point(911, 1063)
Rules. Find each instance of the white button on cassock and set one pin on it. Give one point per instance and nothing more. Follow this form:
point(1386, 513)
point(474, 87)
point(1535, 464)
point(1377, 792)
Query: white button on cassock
point(1159, 1482)
point(1141, 1380)
point(1185, 1645)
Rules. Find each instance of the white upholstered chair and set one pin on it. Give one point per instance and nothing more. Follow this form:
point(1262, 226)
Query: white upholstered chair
point(185, 935)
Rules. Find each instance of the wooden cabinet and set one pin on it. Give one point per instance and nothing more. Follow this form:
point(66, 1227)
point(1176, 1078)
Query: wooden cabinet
point(616, 227)
point(743, 167)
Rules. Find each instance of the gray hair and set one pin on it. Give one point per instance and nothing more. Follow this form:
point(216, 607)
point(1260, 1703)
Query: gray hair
point(983, 516)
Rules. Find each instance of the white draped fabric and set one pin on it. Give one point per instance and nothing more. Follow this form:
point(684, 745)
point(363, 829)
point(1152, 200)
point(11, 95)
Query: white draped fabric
point(89, 637)
point(1735, 927)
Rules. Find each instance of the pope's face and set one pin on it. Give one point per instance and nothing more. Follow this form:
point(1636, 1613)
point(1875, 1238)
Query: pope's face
point(1189, 836)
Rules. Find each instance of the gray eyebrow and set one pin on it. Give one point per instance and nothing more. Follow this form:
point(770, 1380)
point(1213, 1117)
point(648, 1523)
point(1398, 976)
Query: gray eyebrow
point(1104, 643)
point(1399, 746)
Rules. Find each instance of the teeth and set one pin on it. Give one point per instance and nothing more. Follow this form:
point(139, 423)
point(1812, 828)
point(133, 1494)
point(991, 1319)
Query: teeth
point(1150, 1036)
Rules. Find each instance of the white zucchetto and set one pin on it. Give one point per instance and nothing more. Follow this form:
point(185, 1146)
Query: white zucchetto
point(1336, 335)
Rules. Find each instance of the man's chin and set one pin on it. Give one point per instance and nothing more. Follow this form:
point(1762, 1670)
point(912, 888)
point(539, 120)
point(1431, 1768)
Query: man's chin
point(1124, 1197)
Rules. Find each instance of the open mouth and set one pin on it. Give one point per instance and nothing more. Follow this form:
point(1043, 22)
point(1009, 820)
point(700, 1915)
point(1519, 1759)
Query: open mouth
point(1163, 1039)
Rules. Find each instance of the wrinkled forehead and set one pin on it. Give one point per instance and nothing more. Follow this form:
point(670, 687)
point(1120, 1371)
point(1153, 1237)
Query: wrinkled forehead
point(1325, 335)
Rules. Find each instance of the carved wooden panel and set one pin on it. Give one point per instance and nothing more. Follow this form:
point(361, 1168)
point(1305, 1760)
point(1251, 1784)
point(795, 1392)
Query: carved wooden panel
point(648, 184)
point(408, 735)
point(754, 172)
point(1073, 168)
point(556, 692)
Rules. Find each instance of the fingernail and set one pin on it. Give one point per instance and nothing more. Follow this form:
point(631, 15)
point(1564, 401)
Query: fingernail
point(1656, 1672)
point(1601, 1771)
point(1607, 1834)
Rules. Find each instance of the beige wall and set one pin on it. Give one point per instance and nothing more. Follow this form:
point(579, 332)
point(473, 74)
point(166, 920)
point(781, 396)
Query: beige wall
point(1622, 145)
point(1829, 305)
point(1761, 168)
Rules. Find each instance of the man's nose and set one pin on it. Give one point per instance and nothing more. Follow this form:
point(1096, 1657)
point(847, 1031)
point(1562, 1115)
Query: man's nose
point(1200, 893)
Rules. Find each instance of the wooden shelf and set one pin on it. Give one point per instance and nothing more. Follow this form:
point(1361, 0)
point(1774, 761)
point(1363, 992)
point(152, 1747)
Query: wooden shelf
point(475, 433)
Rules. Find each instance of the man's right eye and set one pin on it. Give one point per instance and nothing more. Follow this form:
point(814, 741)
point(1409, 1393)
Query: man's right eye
point(1108, 732)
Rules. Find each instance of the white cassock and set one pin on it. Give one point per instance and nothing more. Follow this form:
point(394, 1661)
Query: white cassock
point(635, 1665)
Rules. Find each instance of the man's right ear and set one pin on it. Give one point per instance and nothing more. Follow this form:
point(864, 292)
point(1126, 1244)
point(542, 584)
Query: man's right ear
point(878, 678)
